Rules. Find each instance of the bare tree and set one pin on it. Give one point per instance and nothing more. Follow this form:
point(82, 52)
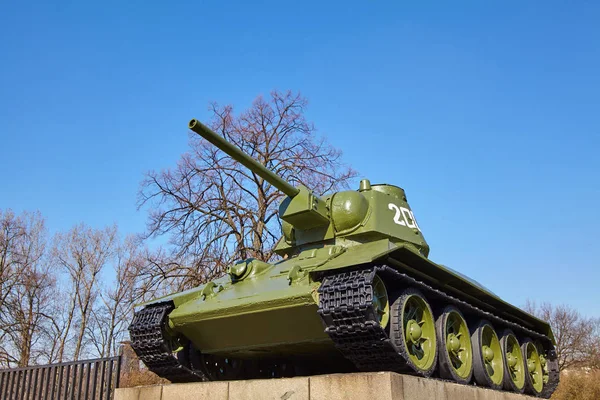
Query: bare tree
point(27, 286)
point(12, 232)
point(216, 211)
point(68, 302)
point(29, 310)
point(577, 337)
point(594, 355)
point(111, 319)
point(82, 254)
point(51, 333)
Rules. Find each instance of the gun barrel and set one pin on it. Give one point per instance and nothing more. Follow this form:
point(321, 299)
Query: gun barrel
point(242, 157)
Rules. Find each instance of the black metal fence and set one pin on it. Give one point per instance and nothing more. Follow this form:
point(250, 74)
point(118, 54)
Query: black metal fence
point(78, 380)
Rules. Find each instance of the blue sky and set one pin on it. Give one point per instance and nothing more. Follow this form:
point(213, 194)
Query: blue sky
point(486, 112)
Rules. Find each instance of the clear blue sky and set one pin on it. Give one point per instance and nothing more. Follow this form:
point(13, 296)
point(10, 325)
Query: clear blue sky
point(486, 112)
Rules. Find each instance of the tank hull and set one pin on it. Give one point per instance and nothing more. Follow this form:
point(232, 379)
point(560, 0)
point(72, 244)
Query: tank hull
point(277, 312)
point(286, 311)
point(252, 326)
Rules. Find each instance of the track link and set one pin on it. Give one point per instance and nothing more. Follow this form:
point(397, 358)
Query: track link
point(346, 308)
point(155, 349)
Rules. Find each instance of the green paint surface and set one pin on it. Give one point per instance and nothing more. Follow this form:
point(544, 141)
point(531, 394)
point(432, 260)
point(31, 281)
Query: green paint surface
point(262, 308)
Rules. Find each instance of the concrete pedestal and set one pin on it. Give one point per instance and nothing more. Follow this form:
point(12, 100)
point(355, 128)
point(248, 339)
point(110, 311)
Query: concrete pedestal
point(359, 386)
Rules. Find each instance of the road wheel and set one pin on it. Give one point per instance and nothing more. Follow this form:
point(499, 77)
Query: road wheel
point(413, 331)
point(534, 376)
point(488, 366)
point(455, 353)
point(514, 367)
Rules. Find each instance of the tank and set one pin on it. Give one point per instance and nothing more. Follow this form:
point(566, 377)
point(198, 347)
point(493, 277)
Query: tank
point(353, 290)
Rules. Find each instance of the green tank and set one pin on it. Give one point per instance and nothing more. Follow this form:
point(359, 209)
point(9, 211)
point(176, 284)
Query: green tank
point(353, 291)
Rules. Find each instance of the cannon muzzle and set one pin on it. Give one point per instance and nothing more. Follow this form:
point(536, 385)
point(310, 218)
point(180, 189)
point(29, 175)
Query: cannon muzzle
point(242, 158)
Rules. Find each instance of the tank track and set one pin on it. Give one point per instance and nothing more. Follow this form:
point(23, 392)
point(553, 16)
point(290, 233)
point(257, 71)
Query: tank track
point(346, 308)
point(155, 349)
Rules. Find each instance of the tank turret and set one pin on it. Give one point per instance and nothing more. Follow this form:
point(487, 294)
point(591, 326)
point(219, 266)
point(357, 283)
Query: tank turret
point(372, 212)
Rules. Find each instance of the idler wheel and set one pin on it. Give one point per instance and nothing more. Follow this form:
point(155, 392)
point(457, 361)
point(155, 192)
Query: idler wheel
point(514, 367)
point(413, 331)
point(534, 376)
point(488, 365)
point(455, 352)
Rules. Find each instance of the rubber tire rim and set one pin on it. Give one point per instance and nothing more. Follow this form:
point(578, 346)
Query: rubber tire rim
point(510, 344)
point(534, 381)
point(485, 334)
point(427, 349)
point(447, 367)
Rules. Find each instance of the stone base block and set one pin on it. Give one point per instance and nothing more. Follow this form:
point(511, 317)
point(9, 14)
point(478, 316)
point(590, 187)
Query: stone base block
point(360, 386)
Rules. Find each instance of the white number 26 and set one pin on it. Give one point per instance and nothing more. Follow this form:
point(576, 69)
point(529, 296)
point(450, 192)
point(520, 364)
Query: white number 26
point(404, 216)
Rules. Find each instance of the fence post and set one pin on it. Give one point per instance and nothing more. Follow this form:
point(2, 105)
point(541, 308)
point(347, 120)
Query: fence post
point(119, 361)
